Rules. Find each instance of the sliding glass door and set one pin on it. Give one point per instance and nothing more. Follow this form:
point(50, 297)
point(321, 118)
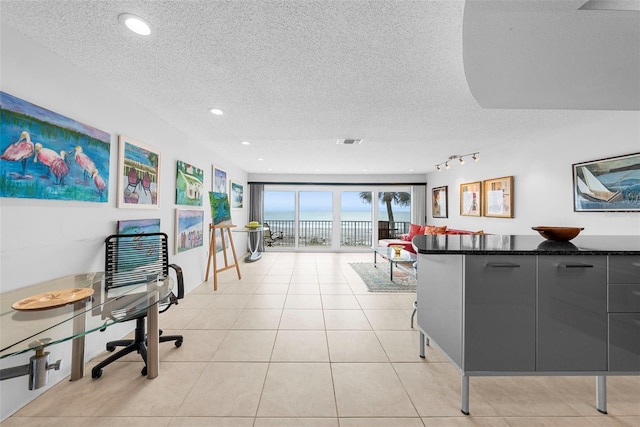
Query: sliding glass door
point(335, 217)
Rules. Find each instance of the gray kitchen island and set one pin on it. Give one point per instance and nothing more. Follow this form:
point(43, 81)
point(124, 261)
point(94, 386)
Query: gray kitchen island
point(507, 305)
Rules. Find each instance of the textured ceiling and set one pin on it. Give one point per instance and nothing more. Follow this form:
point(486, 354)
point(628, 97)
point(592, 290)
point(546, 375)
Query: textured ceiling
point(293, 77)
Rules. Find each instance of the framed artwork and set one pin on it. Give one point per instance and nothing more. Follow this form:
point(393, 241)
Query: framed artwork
point(138, 175)
point(220, 211)
point(236, 195)
point(219, 183)
point(498, 197)
point(189, 184)
point(471, 199)
point(607, 185)
point(44, 155)
point(189, 229)
point(139, 226)
point(143, 251)
point(439, 202)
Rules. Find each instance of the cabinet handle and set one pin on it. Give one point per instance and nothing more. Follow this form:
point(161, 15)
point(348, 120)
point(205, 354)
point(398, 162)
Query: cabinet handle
point(575, 265)
point(503, 265)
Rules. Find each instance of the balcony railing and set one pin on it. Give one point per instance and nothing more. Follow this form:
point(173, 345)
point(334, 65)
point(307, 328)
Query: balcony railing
point(319, 233)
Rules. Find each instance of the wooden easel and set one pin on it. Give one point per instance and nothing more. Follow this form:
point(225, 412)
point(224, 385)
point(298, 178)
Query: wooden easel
point(212, 253)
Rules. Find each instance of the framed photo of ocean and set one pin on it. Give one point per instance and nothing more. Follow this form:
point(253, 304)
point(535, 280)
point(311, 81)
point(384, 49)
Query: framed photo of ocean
point(607, 185)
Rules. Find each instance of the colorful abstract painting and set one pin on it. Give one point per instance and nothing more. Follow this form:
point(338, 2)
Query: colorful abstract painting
point(189, 229)
point(220, 210)
point(189, 186)
point(138, 174)
point(237, 195)
point(44, 155)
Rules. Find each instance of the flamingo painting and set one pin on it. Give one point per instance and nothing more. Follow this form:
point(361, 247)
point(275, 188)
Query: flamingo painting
point(20, 151)
point(85, 162)
point(42, 157)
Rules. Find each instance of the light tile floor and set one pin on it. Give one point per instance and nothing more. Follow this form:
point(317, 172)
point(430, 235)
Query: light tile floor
point(299, 341)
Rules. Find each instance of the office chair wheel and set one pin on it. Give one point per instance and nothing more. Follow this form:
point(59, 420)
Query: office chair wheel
point(111, 348)
point(144, 371)
point(178, 343)
point(96, 373)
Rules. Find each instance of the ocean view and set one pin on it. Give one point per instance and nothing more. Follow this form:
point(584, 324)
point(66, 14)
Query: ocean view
point(399, 216)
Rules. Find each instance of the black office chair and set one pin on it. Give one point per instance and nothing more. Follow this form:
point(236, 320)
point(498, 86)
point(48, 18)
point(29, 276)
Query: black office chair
point(132, 259)
point(271, 237)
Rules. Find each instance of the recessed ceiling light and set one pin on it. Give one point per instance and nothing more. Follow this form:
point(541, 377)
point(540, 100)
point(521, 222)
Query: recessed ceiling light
point(245, 143)
point(216, 111)
point(269, 169)
point(135, 24)
point(259, 159)
point(411, 170)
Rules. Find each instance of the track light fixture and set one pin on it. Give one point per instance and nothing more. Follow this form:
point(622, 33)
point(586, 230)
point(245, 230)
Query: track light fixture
point(460, 158)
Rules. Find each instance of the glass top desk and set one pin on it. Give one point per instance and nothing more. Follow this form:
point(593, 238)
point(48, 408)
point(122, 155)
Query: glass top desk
point(84, 306)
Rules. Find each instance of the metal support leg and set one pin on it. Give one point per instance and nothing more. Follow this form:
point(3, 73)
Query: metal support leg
point(601, 394)
point(464, 404)
point(153, 337)
point(422, 344)
point(77, 345)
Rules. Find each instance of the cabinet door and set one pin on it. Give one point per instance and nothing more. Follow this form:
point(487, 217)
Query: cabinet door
point(500, 297)
point(572, 313)
point(624, 342)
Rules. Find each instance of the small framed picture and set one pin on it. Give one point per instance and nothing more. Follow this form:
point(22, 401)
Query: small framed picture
point(219, 183)
point(439, 202)
point(498, 197)
point(138, 175)
point(471, 199)
point(236, 195)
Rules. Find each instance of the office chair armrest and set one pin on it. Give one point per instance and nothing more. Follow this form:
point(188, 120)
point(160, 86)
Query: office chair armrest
point(180, 279)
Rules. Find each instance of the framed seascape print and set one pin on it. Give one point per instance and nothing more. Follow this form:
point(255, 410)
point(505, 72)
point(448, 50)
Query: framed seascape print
point(189, 229)
point(220, 211)
point(138, 175)
point(144, 250)
point(45, 155)
point(498, 197)
point(236, 195)
point(439, 206)
point(189, 186)
point(471, 199)
point(139, 226)
point(611, 184)
point(219, 180)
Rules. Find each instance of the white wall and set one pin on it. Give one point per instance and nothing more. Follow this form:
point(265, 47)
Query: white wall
point(44, 239)
point(543, 183)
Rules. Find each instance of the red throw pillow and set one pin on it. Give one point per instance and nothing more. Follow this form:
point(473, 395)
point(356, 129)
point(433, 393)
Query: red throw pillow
point(414, 230)
point(430, 229)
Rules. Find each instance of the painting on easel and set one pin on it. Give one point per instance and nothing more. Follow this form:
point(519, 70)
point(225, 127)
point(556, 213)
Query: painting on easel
point(220, 210)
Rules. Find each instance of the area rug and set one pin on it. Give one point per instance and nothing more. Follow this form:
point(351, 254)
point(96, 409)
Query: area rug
point(377, 278)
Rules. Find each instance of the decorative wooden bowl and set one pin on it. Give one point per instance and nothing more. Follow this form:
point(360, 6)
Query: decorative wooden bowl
point(558, 234)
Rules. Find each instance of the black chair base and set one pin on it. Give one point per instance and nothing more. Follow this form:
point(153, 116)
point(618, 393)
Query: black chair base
point(138, 344)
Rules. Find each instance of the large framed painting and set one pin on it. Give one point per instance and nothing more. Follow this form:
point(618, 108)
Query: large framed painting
point(189, 184)
point(498, 197)
point(236, 195)
point(45, 155)
point(611, 184)
point(219, 183)
point(142, 250)
point(138, 175)
point(189, 229)
point(471, 199)
point(439, 203)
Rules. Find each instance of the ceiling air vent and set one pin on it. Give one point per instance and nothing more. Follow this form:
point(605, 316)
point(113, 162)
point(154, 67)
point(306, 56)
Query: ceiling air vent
point(349, 141)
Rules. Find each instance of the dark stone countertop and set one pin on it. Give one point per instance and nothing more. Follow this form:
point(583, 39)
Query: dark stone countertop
point(495, 244)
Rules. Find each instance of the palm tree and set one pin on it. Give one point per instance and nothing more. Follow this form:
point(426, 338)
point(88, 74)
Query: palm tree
point(401, 198)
